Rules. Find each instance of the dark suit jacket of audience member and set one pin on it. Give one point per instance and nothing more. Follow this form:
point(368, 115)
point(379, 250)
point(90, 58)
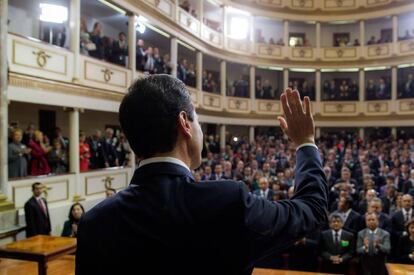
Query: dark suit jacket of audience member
point(269, 195)
point(97, 159)
point(345, 249)
point(119, 54)
point(99, 51)
point(140, 57)
point(109, 150)
point(165, 223)
point(352, 223)
point(404, 248)
point(384, 222)
point(36, 220)
point(304, 257)
point(374, 264)
point(397, 229)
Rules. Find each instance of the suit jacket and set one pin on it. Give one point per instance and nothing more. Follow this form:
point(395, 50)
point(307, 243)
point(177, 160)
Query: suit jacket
point(352, 223)
point(269, 195)
point(165, 223)
point(384, 246)
point(398, 224)
point(36, 220)
point(345, 249)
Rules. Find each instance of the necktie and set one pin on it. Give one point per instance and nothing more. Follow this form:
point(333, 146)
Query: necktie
point(336, 239)
point(371, 243)
point(407, 216)
point(263, 194)
point(42, 206)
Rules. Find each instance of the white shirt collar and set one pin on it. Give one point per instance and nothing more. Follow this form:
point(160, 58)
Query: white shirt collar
point(163, 159)
point(339, 233)
point(374, 232)
point(405, 211)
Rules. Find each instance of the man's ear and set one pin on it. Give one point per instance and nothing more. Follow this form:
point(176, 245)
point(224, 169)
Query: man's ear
point(184, 124)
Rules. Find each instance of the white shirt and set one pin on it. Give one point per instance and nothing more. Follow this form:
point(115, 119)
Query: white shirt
point(163, 159)
point(346, 214)
point(405, 213)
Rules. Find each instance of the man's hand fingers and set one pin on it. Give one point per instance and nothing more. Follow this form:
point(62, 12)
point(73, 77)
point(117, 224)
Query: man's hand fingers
point(286, 109)
point(283, 123)
point(307, 104)
point(290, 101)
point(298, 101)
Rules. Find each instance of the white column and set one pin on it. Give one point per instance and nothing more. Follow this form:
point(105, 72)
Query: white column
point(132, 38)
point(285, 78)
point(252, 82)
point(361, 85)
point(362, 32)
point(361, 133)
point(174, 56)
point(74, 141)
point(394, 82)
point(394, 132)
point(318, 35)
point(222, 136)
point(4, 186)
point(251, 134)
point(74, 19)
point(199, 71)
point(286, 33)
point(318, 84)
point(223, 73)
point(201, 11)
point(394, 28)
point(318, 132)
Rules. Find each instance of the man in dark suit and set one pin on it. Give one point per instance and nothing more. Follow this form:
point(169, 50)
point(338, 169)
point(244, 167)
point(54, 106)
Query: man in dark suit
point(399, 219)
point(264, 190)
point(165, 223)
point(350, 217)
point(37, 213)
point(108, 147)
point(97, 159)
point(140, 55)
point(337, 246)
point(120, 50)
point(373, 246)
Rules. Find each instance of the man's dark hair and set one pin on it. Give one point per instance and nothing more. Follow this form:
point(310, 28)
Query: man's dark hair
point(335, 216)
point(34, 185)
point(149, 113)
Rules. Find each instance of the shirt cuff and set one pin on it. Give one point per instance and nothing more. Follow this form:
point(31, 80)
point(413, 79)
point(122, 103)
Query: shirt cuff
point(307, 144)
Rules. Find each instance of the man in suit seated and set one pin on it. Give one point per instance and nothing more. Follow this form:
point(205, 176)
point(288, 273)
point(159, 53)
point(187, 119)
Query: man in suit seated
point(350, 217)
point(373, 246)
point(166, 223)
point(264, 191)
point(218, 172)
point(337, 246)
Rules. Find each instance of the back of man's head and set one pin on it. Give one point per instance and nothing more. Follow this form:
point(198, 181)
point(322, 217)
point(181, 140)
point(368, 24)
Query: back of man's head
point(149, 114)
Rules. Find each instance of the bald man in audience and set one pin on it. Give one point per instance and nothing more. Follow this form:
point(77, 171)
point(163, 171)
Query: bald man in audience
point(264, 191)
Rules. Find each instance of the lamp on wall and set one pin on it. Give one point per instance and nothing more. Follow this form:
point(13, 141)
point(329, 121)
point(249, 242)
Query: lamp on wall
point(53, 14)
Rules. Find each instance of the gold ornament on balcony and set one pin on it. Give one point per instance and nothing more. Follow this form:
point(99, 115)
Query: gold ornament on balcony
point(377, 107)
point(41, 58)
point(188, 21)
point(339, 3)
point(108, 182)
point(211, 101)
point(411, 105)
point(340, 53)
point(269, 50)
point(302, 53)
point(269, 107)
point(107, 74)
point(378, 51)
point(302, 3)
point(237, 103)
point(339, 108)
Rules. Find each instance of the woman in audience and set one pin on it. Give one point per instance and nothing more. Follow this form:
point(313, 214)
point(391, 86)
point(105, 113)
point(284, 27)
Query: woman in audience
point(85, 42)
point(96, 38)
point(39, 151)
point(17, 155)
point(123, 150)
point(84, 153)
point(57, 158)
point(70, 228)
point(405, 249)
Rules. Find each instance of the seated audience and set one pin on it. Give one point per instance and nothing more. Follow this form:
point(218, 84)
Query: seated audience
point(70, 227)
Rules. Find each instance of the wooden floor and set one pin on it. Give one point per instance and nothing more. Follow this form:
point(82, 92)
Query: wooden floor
point(64, 265)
